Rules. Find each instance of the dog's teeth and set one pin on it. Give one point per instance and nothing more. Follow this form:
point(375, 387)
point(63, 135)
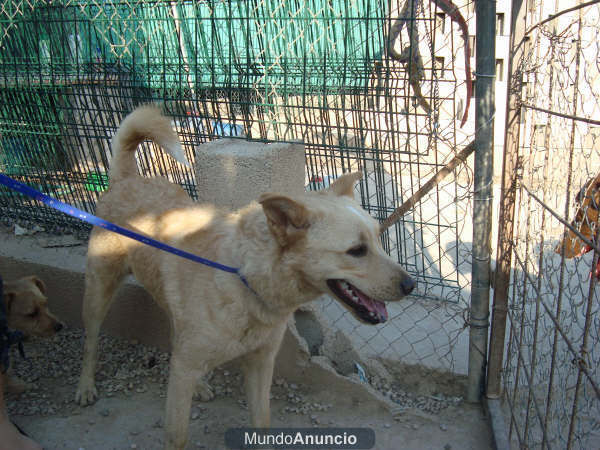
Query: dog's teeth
point(346, 288)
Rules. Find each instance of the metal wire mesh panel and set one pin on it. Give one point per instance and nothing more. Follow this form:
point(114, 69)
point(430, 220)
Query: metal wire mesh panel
point(551, 374)
point(373, 85)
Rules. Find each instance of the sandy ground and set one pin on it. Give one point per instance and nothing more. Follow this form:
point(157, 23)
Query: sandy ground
point(135, 421)
point(129, 413)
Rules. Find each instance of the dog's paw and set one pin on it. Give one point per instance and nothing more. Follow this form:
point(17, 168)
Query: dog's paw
point(86, 393)
point(203, 391)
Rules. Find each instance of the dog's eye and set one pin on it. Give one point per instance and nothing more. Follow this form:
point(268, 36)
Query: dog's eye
point(359, 250)
point(33, 314)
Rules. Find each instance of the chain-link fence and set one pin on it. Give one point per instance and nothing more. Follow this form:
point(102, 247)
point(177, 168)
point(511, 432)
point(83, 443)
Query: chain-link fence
point(374, 85)
point(551, 375)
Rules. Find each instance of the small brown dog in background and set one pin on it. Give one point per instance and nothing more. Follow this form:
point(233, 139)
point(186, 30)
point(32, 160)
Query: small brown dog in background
point(27, 311)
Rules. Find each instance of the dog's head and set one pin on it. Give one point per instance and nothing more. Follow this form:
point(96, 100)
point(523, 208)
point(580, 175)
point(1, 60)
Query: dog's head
point(335, 247)
point(27, 307)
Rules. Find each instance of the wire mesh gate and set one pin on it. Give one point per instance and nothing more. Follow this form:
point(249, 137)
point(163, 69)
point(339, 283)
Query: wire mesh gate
point(549, 381)
point(319, 71)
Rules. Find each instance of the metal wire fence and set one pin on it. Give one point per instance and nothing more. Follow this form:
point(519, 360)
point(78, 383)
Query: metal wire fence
point(375, 85)
point(551, 374)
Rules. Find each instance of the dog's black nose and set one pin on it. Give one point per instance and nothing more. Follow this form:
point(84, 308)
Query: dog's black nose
point(59, 326)
point(407, 285)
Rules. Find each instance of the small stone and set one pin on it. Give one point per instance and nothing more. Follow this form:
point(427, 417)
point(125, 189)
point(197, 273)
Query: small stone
point(415, 427)
point(105, 413)
point(195, 415)
point(443, 427)
point(206, 429)
point(293, 386)
point(133, 446)
point(447, 447)
point(158, 424)
point(387, 425)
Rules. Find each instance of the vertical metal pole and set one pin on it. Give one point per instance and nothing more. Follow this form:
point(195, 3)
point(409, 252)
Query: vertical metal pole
point(507, 196)
point(485, 68)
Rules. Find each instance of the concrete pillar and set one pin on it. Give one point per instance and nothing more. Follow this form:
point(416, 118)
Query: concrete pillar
point(231, 173)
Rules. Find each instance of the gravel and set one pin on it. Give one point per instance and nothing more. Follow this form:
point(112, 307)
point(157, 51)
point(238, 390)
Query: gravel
point(431, 404)
point(124, 368)
point(127, 367)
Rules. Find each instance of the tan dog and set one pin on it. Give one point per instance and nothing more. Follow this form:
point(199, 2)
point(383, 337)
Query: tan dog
point(291, 251)
point(27, 311)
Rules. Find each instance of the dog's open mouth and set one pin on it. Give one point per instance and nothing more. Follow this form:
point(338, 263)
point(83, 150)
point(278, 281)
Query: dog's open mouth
point(366, 308)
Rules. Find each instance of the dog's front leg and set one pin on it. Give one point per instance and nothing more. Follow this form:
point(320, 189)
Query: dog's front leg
point(258, 369)
point(182, 380)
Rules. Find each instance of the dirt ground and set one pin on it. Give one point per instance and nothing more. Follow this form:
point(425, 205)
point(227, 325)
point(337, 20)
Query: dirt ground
point(129, 414)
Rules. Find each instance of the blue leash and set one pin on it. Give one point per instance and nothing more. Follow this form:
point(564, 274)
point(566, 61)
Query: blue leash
point(98, 222)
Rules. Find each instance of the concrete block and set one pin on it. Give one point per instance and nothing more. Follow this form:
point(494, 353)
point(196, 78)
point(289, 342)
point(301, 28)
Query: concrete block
point(231, 173)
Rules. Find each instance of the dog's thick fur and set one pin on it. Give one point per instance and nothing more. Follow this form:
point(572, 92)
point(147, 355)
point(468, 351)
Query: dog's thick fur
point(291, 250)
point(27, 311)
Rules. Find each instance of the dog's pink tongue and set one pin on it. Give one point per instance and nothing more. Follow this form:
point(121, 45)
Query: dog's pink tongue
point(381, 310)
point(375, 306)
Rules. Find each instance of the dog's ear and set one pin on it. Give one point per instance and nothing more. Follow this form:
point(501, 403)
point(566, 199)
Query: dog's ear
point(287, 218)
point(39, 283)
point(344, 185)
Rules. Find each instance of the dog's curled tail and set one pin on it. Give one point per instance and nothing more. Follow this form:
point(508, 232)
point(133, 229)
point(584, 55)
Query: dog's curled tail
point(145, 122)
